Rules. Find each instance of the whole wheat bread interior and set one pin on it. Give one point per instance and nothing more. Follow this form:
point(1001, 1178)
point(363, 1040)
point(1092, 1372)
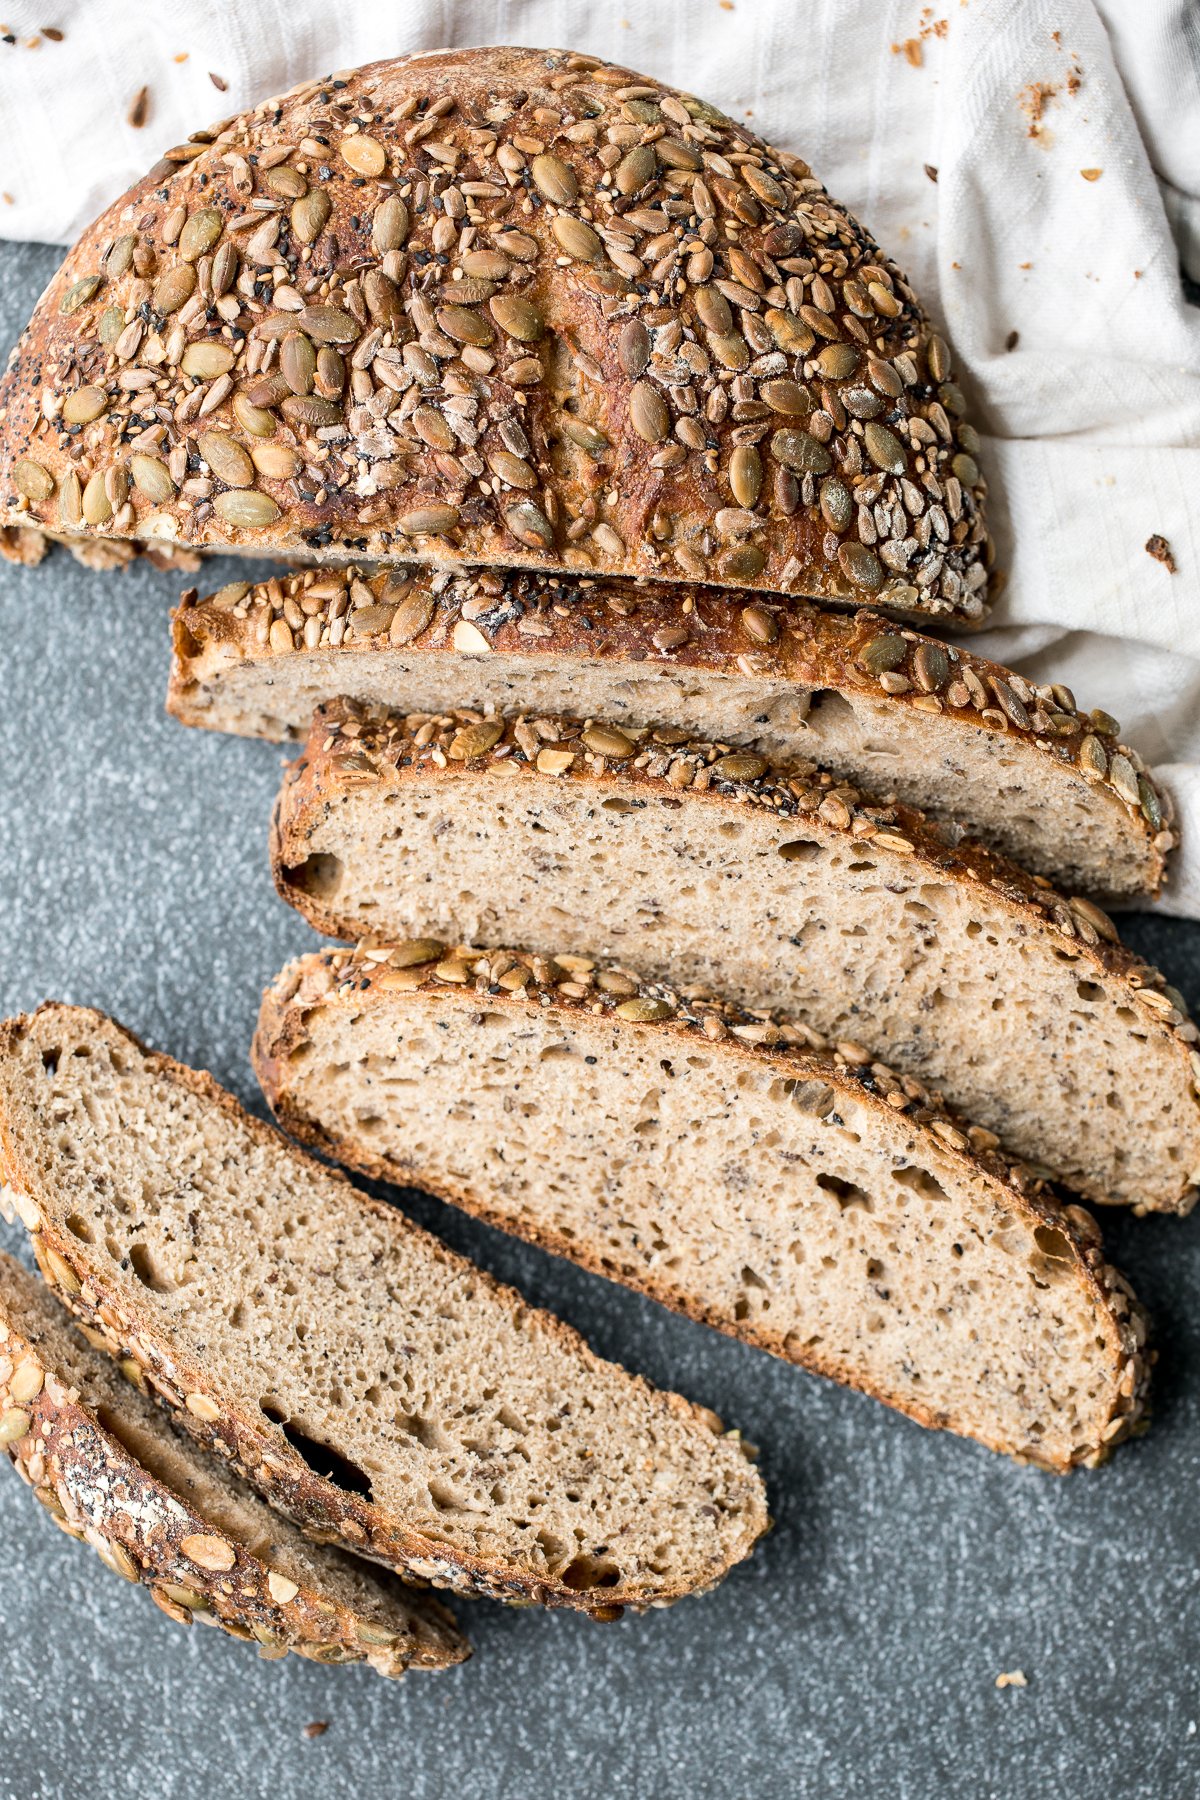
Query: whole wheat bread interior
point(1025, 769)
point(371, 1382)
point(116, 1470)
point(778, 886)
point(819, 1209)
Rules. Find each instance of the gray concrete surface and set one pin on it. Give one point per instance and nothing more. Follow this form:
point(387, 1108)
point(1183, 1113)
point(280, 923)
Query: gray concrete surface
point(855, 1656)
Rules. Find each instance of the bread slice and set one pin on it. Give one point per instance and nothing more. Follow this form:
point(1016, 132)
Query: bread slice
point(720, 871)
point(377, 1388)
point(821, 1208)
point(651, 346)
point(1021, 768)
point(110, 1469)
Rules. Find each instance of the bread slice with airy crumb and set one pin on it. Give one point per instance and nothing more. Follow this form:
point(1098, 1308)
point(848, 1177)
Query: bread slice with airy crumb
point(375, 1387)
point(815, 1206)
point(1022, 768)
point(110, 1469)
point(770, 882)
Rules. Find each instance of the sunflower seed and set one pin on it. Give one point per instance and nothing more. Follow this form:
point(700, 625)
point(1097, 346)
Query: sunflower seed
point(97, 507)
point(152, 478)
point(310, 411)
point(383, 298)
point(14, 1423)
point(310, 215)
point(246, 508)
point(226, 458)
point(554, 179)
point(70, 500)
point(365, 155)
point(633, 348)
point(938, 355)
point(760, 624)
point(208, 1552)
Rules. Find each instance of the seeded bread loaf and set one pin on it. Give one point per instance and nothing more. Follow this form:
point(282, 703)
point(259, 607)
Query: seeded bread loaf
point(719, 871)
point(1022, 768)
point(820, 1208)
point(111, 1470)
point(378, 1389)
point(507, 306)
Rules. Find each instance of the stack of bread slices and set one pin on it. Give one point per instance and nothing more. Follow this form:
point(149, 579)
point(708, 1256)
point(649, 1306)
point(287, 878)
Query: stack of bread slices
point(717, 920)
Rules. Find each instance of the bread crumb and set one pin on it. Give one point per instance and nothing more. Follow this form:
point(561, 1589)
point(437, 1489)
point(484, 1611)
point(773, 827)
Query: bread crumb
point(139, 109)
point(1160, 550)
point(1012, 340)
point(315, 1728)
point(1091, 174)
point(931, 171)
point(183, 56)
point(218, 81)
point(1012, 1678)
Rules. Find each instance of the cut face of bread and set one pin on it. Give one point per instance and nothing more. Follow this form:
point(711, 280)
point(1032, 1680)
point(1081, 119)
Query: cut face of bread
point(1021, 768)
point(375, 1387)
point(683, 361)
point(719, 872)
point(820, 1209)
point(110, 1468)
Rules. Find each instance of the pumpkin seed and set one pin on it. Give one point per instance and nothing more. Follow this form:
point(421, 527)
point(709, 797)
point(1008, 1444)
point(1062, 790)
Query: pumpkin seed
point(415, 951)
point(745, 475)
point(837, 506)
point(641, 1011)
point(206, 360)
point(409, 620)
point(246, 508)
point(464, 325)
point(1014, 708)
point(310, 411)
point(714, 309)
point(254, 419)
point(519, 318)
point(861, 566)
point(298, 362)
point(226, 458)
point(365, 155)
point(513, 469)
point(648, 412)
point(487, 265)
point(327, 324)
point(836, 361)
point(787, 397)
point(879, 655)
point(931, 666)
point(518, 244)
point(745, 563)
point(389, 225)
point(112, 324)
point(577, 238)
point(152, 478)
point(966, 468)
point(588, 437)
point(120, 256)
point(674, 155)
point(860, 402)
point(78, 294)
point(765, 186)
point(743, 766)
point(287, 182)
point(310, 215)
point(174, 289)
point(760, 624)
point(384, 301)
point(275, 461)
point(881, 375)
point(367, 620)
point(730, 349)
point(331, 372)
point(428, 521)
point(1151, 805)
point(633, 348)
point(790, 333)
point(1092, 757)
point(529, 524)
point(200, 233)
point(605, 740)
point(798, 451)
point(14, 1423)
point(32, 480)
point(97, 507)
point(471, 741)
point(885, 449)
point(635, 169)
point(554, 179)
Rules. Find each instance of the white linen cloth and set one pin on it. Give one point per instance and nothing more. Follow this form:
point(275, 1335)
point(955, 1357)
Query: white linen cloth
point(1060, 293)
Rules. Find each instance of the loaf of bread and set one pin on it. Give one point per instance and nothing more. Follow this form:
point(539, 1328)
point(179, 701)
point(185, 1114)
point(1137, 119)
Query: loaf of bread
point(721, 872)
point(1024, 769)
point(379, 1390)
point(111, 1470)
point(807, 1202)
point(500, 306)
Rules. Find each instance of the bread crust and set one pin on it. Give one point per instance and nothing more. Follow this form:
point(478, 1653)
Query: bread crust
point(601, 327)
point(259, 1451)
point(96, 1490)
point(546, 621)
point(353, 746)
point(330, 977)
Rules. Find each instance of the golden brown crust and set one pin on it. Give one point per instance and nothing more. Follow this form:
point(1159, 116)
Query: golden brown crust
point(506, 306)
point(259, 1451)
point(97, 1490)
point(514, 981)
point(354, 614)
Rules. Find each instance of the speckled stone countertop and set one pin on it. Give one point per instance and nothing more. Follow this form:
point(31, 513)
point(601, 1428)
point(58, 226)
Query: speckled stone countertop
point(855, 1656)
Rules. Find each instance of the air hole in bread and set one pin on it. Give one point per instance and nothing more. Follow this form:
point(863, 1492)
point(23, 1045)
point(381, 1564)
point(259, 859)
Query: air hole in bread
point(319, 875)
point(1089, 990)
point(846, 1193)
point(148, 1273)
point(585, 1572)
point(321, 1458)
point(50, 1060)
point(920, 1181)
point(800, 850)
point(79, 1227)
